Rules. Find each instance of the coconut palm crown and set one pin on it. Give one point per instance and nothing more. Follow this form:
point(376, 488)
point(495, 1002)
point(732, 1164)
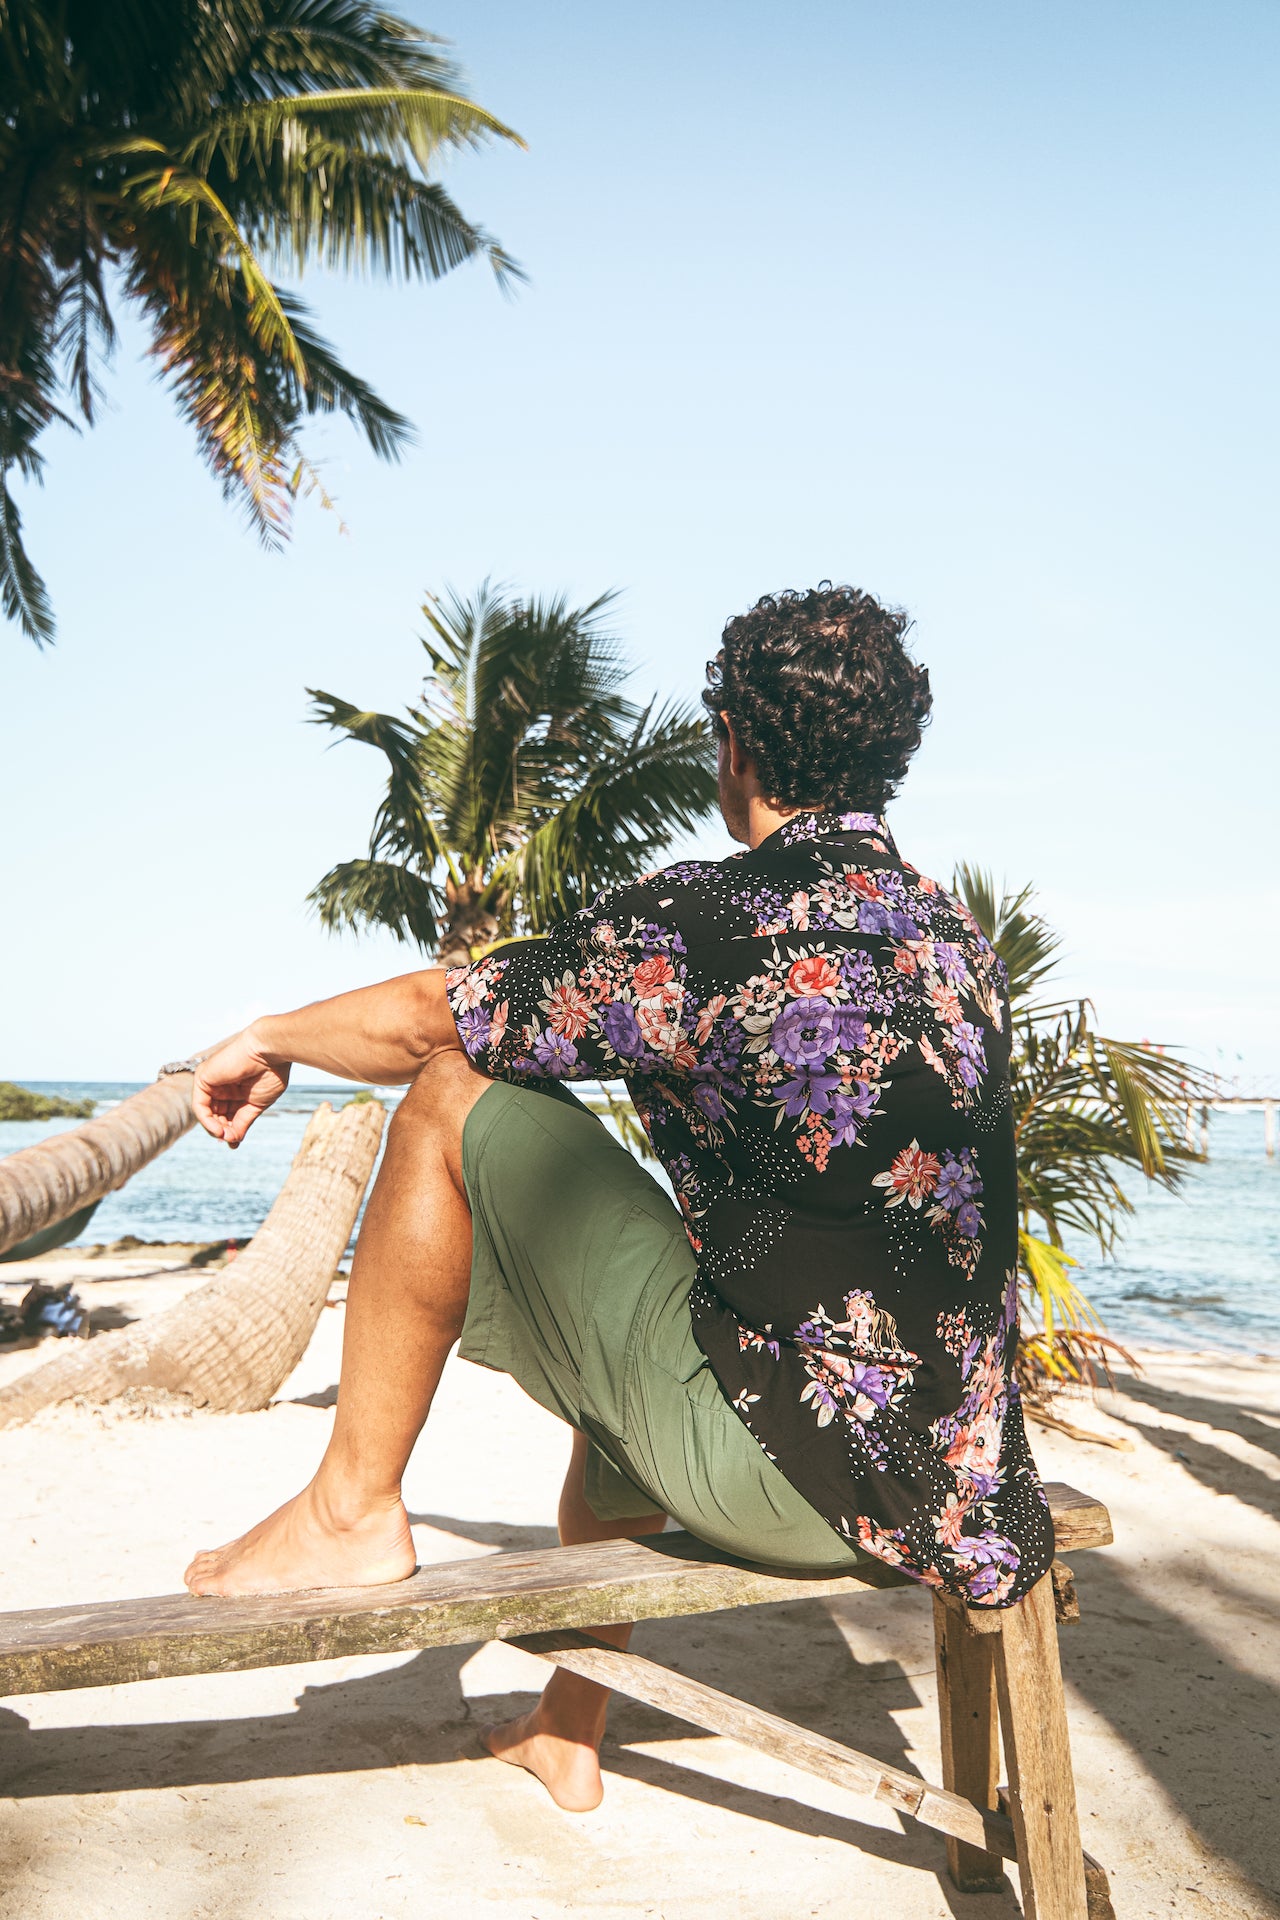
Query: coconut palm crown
point(523, 782)
point(174, 154)
point(1086, 1110)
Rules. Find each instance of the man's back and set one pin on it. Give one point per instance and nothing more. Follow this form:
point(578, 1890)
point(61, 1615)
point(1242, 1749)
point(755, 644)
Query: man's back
point(816, 1038)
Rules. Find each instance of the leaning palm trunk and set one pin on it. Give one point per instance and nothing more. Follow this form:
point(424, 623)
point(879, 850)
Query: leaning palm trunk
point(231, 1343)
point(43, 1184)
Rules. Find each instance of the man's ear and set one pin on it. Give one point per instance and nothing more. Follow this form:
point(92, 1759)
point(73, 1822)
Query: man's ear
point(739, 759)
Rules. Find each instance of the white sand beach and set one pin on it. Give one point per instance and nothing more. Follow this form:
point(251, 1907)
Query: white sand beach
point(356, 1790)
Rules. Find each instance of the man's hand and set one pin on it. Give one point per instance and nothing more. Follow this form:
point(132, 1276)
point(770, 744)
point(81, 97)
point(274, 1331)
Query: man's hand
point(234, 1085)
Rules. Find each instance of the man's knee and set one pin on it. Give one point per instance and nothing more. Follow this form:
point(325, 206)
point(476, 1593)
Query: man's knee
point(436, 1105)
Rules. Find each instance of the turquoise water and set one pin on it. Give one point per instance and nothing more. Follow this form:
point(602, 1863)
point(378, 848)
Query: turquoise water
point(1200, 1268)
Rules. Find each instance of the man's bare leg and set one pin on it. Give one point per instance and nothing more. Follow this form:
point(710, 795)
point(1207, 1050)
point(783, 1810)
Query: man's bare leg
point(405, 1307)
point(560, 1740)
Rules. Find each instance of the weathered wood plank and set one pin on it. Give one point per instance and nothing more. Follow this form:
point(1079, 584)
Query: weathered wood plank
point(970, 1730)
point(492, 1597)
point(1079, 1520)
point(1042, 1791)
point(705, 1706)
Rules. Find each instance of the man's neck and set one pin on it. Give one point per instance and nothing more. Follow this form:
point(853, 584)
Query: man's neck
point(763, 819)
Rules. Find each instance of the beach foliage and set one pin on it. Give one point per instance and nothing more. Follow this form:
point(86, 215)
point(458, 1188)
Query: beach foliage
point(20, 1103)
point(1089, 1112)
point(176, 156)
point(522, 782)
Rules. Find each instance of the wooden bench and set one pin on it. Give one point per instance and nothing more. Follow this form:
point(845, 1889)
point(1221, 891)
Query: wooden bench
point(997, 1672)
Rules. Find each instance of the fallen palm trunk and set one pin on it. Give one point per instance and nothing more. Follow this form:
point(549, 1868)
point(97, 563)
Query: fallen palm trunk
point(231, 1343)
point(41, 1185)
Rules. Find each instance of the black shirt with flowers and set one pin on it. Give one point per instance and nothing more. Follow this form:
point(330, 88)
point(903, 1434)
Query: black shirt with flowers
point(816, 1038)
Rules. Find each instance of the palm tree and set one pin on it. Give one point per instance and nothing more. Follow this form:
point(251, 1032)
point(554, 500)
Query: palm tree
point(523, 782)
point(1085, 1109)
point(173, 153)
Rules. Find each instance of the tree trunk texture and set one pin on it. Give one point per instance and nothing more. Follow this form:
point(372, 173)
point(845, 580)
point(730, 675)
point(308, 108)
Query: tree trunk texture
point(231, 1343)
point(41, 1185)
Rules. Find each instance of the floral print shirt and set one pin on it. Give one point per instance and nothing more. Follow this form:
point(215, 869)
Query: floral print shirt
point(816, 1039)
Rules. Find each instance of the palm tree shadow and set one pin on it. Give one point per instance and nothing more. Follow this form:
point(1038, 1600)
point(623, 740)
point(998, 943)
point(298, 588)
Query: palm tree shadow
point(1202, 1725)
point(1227, 1415)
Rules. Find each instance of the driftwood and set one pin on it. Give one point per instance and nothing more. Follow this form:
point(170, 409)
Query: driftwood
point(41, 1185)
point(231, 1343)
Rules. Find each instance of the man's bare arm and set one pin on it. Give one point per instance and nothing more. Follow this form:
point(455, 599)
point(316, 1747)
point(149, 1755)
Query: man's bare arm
point(385, 1034)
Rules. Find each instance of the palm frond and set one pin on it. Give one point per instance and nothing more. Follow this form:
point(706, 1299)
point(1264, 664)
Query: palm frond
point(1025, 942)
point(22, 591)
point(656, 784)
point(357, 894)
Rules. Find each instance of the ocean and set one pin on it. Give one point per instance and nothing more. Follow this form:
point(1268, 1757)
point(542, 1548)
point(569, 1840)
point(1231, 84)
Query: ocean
point(1199, 1268)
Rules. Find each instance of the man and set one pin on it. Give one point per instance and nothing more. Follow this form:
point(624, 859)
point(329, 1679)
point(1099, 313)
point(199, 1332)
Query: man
point(815, 1363)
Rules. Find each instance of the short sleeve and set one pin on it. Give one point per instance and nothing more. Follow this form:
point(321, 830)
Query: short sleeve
point(598, 998)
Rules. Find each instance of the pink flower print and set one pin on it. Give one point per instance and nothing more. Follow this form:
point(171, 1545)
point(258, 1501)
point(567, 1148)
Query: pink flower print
point(864, 885)
point(799, 905)
point(912, 1177)
point(652, 974)
point(948, 1526)
point(467, 987)
point(568, 1009)
point(814, 977)
point(708, 1017)
point(498, 1025)
point(904, 961)
point(946, 1003)
point(975, 1451)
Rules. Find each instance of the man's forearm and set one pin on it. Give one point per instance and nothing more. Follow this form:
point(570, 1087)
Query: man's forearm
point(385, 1034)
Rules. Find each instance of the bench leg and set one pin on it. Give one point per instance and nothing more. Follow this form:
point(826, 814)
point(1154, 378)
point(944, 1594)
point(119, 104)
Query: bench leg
point(970, 1735)
point(1042, 1793)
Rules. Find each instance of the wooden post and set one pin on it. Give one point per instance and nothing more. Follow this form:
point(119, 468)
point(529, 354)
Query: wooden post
point(1269, 1127)
point(1042, 1792)
point(1189, 1134)
point(1204, 1129)
point(970, 1735)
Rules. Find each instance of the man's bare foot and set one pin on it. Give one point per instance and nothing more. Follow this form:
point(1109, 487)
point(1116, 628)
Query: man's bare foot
point(303, 1545)
point(568, 1769)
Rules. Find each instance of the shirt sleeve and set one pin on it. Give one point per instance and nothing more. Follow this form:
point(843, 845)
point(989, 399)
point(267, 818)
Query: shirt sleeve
point(600, 997)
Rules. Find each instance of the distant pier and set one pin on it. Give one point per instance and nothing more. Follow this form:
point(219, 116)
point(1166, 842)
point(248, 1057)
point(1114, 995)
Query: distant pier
point(1234, 1097)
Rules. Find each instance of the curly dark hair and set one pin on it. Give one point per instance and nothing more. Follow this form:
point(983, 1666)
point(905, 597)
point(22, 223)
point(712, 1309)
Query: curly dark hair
point(822, 695)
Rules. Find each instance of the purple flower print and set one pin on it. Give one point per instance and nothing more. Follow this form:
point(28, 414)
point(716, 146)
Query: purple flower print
point(804, 1032)
point(955, 1185)
point(873, 917)
point(851, 1028)
point(473, 1030)
point(848, 1110)
point(554, 1054)
point(901, 926)
point(805, 1091)
point(871, 1380)
point(621, 1029)
point(857, 973)
point(969, 1221)
point(949, 961)
point(707, 1099)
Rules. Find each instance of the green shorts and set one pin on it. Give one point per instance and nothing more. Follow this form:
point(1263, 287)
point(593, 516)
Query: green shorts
point(580, 1281)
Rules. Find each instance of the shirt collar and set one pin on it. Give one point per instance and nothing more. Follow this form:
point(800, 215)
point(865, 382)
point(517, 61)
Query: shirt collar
point(830, 826)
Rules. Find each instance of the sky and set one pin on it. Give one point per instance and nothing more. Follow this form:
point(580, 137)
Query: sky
point(973, 307)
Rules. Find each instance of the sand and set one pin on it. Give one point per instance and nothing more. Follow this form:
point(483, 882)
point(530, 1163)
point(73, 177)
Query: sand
point(356, 1789)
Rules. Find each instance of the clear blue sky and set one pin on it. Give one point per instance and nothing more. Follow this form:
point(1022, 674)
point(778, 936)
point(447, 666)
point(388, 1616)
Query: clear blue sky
point(974, 306)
